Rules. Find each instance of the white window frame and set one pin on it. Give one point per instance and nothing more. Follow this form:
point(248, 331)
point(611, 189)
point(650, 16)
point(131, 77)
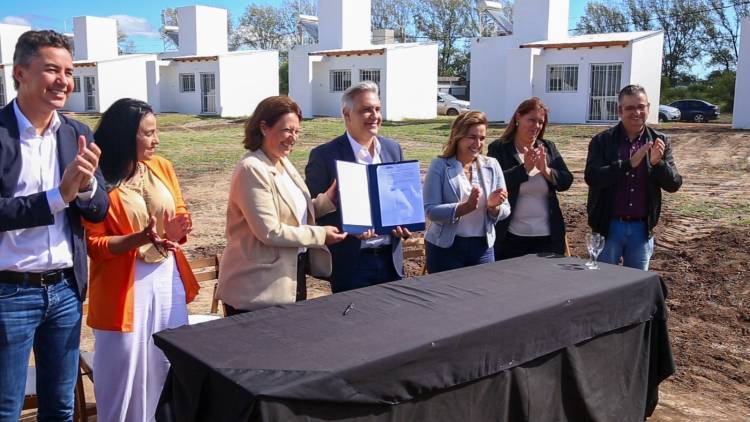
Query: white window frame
point(562, 78)
point(370, 75)
point(339, 80)
point(2, 90)
point(190, 79)
point(76, 84)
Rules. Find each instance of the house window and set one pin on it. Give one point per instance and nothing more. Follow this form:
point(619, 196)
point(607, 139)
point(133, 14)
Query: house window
point(76, 84)
point(2, 90)
point(562, 78)
point(370, 75)
point(340, 80)
point(187, 82)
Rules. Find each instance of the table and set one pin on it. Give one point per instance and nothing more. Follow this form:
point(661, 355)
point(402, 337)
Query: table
point(532, 338)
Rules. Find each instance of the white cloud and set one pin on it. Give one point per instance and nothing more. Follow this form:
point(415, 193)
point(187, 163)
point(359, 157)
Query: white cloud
point(132, 25)
point(16, 20)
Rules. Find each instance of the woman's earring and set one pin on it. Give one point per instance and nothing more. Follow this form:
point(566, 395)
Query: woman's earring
point(516, 124)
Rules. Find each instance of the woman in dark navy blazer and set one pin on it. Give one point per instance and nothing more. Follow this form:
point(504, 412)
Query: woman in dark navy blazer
point(534, 172)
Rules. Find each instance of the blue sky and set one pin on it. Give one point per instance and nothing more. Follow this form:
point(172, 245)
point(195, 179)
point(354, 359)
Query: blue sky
point(140, 19)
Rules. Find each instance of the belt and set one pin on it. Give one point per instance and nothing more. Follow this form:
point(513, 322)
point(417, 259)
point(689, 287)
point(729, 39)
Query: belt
point(46, 278)
point(626, 219)
point(376, 251)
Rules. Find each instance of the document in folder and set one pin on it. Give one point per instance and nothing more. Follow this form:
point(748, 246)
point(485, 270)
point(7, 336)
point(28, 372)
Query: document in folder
point(380, 196)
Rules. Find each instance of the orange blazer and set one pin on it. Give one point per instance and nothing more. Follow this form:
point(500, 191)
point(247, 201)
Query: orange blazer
point(112, 276)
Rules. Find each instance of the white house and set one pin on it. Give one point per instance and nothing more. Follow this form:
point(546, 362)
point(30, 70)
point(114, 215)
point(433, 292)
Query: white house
point(578, 77)
point(9, 35)
point(320, 73)
point(102, 76)
point(741, 114)
point(203, 77)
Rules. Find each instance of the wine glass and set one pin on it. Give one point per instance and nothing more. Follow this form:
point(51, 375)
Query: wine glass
point(595, 244)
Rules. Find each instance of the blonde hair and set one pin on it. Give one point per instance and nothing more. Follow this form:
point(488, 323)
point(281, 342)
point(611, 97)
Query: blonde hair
point(460, 128)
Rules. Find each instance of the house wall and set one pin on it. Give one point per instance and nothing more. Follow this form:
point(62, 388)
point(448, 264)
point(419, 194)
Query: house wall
point(77, 100)
point(9, 35)
point(536, 20)
point(172, 100)
point(645, 70)
point(300, 77)
point(202, 30)
point(327, 103)
point(573, 107)
point(344, 24)
point(411, 82)
point(488, 75)
point(122, 78)
point(246, 79)
point(741, 113)
point(95, 38)
point(519, 76)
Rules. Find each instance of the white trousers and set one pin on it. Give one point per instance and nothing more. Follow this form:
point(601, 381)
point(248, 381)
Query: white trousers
point(129, 370)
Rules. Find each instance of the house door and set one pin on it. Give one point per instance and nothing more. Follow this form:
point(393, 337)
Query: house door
point(208, 93)
point(89, 89)
point(605, 85)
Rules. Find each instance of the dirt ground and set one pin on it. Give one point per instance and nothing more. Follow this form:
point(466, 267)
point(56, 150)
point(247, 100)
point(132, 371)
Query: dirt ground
point(704, 259)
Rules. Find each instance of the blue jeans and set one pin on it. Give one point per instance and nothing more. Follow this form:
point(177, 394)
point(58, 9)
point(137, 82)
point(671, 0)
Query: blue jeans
point(49, 320)
point(464, 252)
point(629, 241)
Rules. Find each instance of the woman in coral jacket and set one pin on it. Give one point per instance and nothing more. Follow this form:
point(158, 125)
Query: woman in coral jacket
point(140, 280)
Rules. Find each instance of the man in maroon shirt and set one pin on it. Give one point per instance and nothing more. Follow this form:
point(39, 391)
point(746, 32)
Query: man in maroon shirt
point(627, 167)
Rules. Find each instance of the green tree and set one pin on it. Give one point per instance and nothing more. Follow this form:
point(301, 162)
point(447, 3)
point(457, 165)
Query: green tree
point(683, 23)
point(444, 21)
point(262, 27)
point(600, 18)
point(393, 14)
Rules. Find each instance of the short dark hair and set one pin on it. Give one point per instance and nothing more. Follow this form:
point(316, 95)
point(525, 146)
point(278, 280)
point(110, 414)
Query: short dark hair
point(632, 89)
point(116, 137)
point(270, 110)
point(30, 42)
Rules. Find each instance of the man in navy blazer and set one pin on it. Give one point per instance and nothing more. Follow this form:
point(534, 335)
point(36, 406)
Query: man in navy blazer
point(49, 179)
point(369, 259)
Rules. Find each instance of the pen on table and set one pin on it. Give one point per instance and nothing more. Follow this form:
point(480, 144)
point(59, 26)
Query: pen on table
point(348, 308)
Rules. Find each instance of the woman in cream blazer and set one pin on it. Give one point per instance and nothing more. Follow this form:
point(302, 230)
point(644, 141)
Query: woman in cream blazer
point(271, 232)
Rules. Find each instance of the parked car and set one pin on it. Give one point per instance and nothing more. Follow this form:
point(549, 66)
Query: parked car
point(450, 105)
point(697, 110)
point(668, 113)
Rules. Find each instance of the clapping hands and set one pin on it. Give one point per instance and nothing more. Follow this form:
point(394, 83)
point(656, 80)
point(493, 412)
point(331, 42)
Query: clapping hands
point(79, 173)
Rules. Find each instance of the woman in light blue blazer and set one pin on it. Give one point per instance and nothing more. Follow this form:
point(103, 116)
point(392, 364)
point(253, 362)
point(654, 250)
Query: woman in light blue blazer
point(464, 195)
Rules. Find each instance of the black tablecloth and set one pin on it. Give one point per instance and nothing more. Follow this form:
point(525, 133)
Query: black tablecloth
point(532, 338)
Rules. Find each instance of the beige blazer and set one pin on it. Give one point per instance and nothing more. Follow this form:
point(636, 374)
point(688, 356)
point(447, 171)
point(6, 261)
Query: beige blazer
point(259, 265)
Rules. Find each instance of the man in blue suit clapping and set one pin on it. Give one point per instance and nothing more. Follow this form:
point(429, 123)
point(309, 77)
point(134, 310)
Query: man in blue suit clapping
point(369, 259)
point(49, 179)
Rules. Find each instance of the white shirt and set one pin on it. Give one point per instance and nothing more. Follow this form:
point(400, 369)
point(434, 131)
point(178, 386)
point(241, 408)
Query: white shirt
point(363, 156)
point(42, 248)
point(531, 213)
point(473, 223)
point(298, 199)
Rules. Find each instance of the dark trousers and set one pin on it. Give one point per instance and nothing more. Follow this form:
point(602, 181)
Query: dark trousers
point(464, 252)
point(513, 246)
point(303, 265)
point(375, 266)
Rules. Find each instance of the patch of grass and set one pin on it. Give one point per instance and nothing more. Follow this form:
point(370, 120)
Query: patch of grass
point(729, 212)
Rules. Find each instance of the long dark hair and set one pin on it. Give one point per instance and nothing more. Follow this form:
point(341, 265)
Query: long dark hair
point(116, 137)
point(526, 107)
